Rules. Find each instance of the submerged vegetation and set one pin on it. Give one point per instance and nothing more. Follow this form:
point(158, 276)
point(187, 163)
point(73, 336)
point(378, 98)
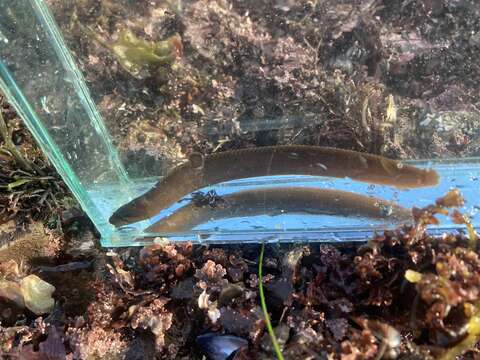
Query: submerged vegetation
point(30, 189)
point(397, 79)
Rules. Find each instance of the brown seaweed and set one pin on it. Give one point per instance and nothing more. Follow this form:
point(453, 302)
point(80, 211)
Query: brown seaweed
point(272, 160)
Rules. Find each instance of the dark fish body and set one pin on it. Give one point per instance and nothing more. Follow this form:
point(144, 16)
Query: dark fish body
point(220, 347)
point(278, 200)
point(269, 161)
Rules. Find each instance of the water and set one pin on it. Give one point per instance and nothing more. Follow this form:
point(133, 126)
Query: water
point(292, 226)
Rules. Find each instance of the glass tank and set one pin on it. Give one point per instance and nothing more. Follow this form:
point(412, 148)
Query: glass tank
point(211, 122)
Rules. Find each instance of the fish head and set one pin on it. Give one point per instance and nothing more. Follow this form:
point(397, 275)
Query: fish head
point(119, 218)
point(129, 213)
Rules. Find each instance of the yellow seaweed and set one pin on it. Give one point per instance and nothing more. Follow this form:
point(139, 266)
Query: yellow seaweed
point(140, 57)
point(135, 54)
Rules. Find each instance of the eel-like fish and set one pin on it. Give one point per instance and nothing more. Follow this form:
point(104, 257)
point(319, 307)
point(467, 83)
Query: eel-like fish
point(201, 171)
point(278, 200)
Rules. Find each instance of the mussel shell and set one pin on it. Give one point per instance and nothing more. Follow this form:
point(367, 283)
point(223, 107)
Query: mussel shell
point(220, 347)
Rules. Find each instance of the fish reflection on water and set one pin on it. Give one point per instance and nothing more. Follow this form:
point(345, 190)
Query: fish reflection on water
point(279, 200)
point(203, 171)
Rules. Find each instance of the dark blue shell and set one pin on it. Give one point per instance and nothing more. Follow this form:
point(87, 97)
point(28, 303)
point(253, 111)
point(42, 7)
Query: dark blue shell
point(220, 347)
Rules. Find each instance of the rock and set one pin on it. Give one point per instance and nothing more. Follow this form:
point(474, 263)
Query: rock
point(37, 294)
point(279, 293)
point(11, 291)
point(228, 293)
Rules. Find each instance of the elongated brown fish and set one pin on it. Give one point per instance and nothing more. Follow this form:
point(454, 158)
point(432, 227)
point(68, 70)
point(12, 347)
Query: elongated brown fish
point(200, 172)
point(278, 200)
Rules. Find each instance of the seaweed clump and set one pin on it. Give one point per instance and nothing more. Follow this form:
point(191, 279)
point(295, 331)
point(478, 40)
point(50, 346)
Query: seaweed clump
point(444, 272)
point(30, 188)
point(139, 57)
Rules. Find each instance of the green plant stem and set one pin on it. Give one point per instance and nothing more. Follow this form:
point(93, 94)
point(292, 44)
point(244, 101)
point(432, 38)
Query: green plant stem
point(5, 134)
point(276, 346)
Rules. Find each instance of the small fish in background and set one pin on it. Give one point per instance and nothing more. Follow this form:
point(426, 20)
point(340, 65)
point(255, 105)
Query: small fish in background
point(271, 161)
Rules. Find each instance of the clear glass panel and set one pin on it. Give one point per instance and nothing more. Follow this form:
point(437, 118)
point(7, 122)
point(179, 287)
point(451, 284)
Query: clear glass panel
point(40, 78)
point(254, 127)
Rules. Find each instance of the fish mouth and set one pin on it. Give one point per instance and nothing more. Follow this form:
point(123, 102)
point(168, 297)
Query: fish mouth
point(119, 220)
point(128, 213)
